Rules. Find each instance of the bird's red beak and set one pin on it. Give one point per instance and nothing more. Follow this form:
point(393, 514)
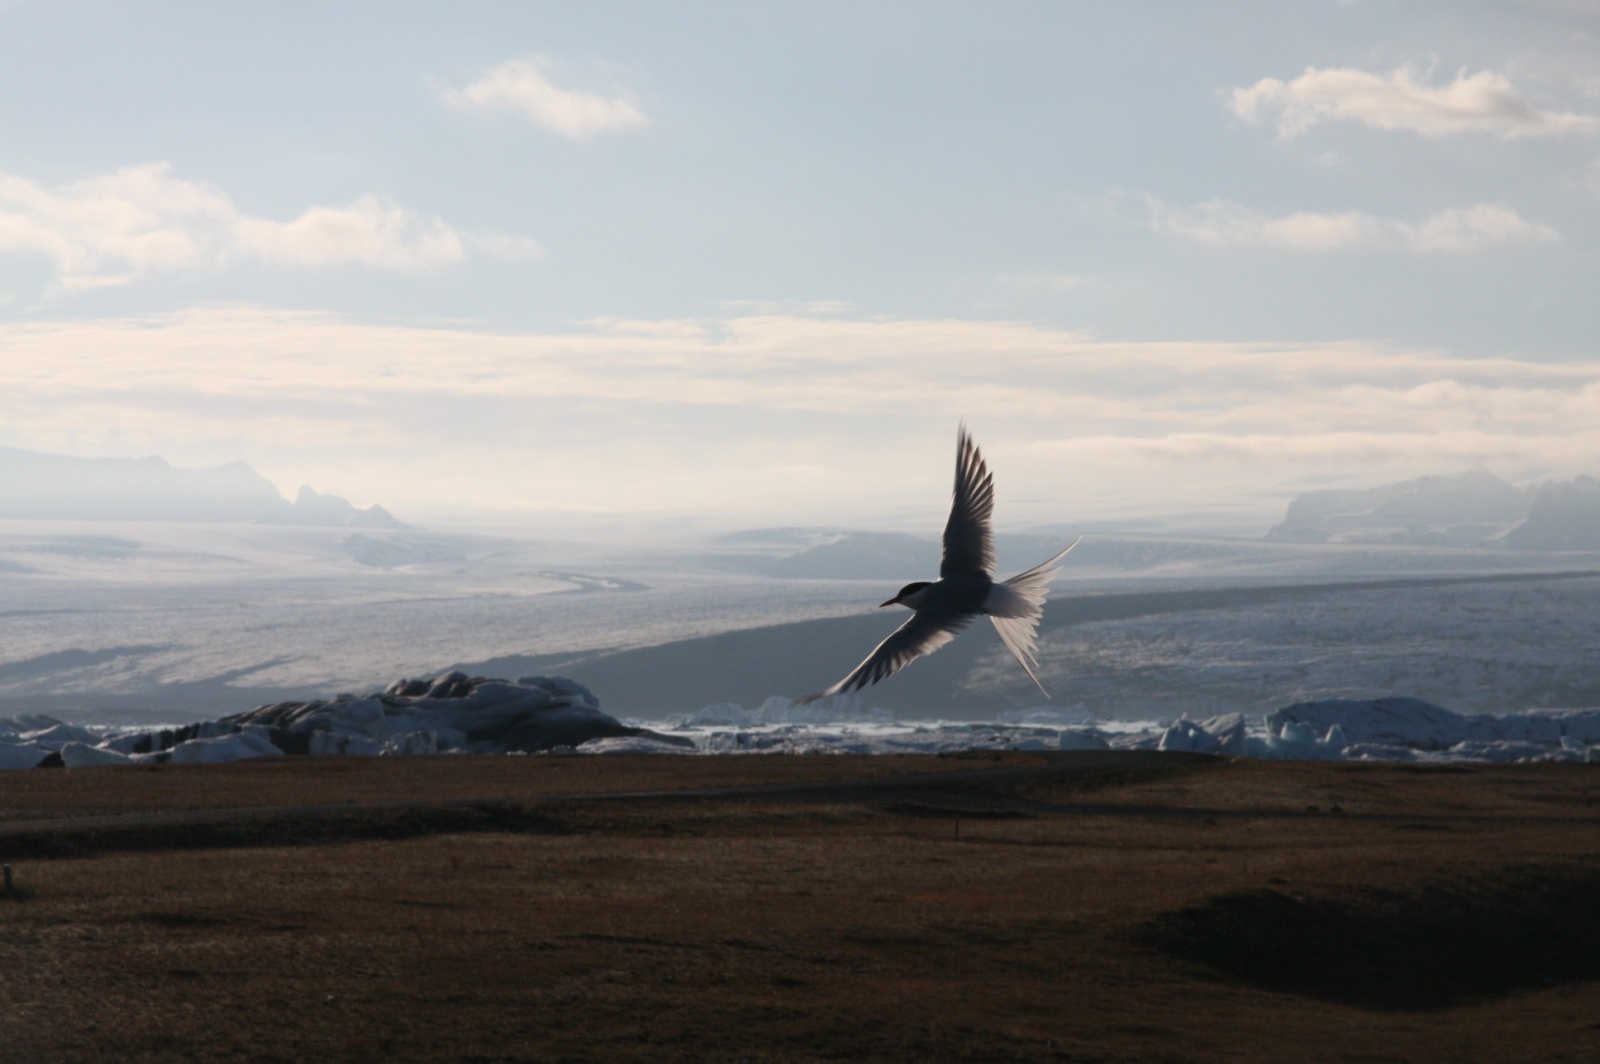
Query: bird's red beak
point(891, 602)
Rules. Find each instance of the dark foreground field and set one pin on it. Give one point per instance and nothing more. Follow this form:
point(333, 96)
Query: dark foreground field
point(1103, 907)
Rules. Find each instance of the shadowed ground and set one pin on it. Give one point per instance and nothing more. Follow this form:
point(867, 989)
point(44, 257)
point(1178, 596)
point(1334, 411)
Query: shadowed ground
point(986, 907)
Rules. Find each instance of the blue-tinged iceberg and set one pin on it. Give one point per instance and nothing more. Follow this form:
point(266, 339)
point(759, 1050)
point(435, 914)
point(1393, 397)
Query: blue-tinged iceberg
point(456, 713)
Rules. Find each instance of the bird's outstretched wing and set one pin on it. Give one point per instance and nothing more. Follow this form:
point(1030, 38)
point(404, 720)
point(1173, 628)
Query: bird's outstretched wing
point(968, 541)
point(925, 632)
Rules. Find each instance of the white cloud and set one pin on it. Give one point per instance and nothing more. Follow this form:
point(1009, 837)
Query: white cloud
point(1458, 230)
point(107, 229)
point(804, 364)
point(1472, 228)
point(368, 231)
point(140, 221)
point(520, 86)
point(739, 414)
point(1485, 102)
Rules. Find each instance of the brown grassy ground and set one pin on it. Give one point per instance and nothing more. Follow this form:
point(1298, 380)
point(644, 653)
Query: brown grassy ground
point(1075, 908)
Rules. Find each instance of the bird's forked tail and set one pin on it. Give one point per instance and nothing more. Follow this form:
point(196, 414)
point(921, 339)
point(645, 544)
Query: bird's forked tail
point(1015, 607)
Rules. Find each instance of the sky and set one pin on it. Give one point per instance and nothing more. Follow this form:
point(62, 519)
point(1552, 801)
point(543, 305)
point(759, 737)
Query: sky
point(735, 264)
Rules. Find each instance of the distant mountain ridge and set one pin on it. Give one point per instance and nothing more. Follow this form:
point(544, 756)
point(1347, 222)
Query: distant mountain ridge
point(1471, 509)
point(62, 487)
point(315, 508)
point(1564, 515)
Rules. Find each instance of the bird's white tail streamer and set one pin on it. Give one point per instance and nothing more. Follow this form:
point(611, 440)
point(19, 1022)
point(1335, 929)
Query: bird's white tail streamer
point(1015, 607)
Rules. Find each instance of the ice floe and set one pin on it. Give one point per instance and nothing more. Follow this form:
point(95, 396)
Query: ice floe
point(456, 713)
point(1396, 729)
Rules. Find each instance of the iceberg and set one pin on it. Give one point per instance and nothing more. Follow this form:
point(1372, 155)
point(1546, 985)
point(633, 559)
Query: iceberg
point(1418, 725)
point(58, 734)
point(1231, 732)
point(222, 749)
point(457, 713)
point(1407, 722)
point(449, 712)
point(82, 755)
point(453, 713)
point(1078, 739)
point(1188, 736)
point(21, 755)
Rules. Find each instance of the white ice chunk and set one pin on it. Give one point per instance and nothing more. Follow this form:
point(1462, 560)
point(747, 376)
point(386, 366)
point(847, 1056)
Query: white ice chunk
point(124, 744)
point(1580, 724)
point(412, 744)
point(563, 687)
point(1377, 752)
point(236, 747)
point(633, 744)
point(363, 715)
point(1230, 731)
point(336, 744)
point(1521, 727)
point(1188, 736)
point(1298, 732)
point(1397, 721)
point(82, 755)
point(54, 736)
point(721, 713)
point(1297, 741)
point(1075, 739)
point(258, 738)
point(1501, 750)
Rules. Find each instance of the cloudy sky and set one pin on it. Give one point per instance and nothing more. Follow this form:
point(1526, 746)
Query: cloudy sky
point(745, 263)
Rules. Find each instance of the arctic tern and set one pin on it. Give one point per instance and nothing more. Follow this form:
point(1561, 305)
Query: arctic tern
point(966, 588)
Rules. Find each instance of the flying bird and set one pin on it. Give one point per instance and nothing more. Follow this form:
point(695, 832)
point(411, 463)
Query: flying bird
point(966, 588)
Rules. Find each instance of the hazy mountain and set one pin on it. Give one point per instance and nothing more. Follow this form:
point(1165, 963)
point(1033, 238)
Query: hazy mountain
point(1459, 510)
point(314, 508)
point(61, 487)
point(1475, 509)
point(1565, 515)
point(863, 556)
